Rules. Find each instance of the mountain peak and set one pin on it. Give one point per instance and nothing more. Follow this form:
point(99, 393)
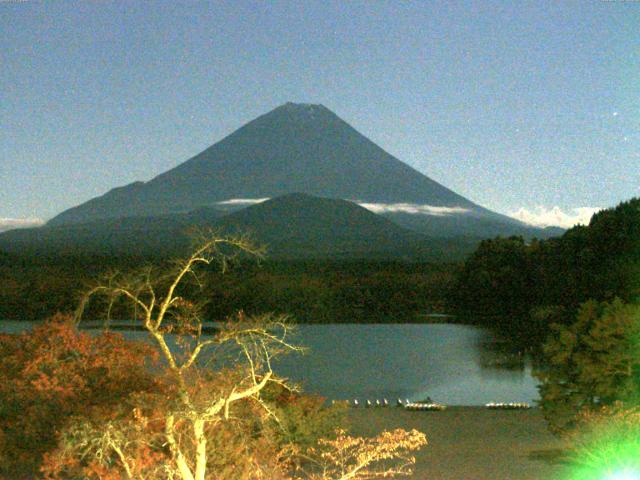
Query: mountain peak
point(301, 112)
point(303, 106)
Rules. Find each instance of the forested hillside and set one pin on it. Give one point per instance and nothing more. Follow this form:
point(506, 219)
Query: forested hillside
point(310, 291)
point(523, 287)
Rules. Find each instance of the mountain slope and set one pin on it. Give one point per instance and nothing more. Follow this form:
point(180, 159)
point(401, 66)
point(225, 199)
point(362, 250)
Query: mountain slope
point(162, 234)
point(294, 148)
point(291, 226)
point(474, 226)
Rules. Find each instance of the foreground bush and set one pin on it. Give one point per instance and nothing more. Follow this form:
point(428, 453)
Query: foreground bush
point(54, 373)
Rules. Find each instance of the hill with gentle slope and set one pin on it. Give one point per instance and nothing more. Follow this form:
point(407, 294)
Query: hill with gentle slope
point(300, 225)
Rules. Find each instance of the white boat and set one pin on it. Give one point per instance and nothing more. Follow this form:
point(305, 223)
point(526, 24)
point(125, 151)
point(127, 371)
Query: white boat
point(425, 406)
point(508, 406)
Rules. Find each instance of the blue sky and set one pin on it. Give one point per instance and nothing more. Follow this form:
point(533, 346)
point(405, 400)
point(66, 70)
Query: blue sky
point(511, 104)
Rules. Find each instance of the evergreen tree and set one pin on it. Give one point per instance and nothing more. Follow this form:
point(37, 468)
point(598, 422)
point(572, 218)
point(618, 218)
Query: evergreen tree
point(592, 363)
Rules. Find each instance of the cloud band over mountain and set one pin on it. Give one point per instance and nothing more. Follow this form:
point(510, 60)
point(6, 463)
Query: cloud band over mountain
point(11, 223)
point(243, 201)
point(555, 217)
point(413, 208)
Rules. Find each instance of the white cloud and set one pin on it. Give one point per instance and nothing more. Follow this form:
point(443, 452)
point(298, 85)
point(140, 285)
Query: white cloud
point(413, 208)
point(11, 223)
point(556, 217)
point(243, 201)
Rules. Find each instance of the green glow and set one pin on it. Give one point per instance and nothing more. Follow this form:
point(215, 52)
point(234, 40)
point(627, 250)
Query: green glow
point(626, 474)
point(608, 456)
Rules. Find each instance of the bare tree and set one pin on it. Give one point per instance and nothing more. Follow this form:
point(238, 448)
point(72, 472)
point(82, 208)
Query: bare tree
point(164, 312)
point(242, 351)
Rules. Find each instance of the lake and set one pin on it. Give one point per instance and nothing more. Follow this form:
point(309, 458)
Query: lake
point(453, 364)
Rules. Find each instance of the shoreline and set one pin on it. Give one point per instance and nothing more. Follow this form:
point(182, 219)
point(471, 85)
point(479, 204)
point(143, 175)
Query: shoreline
point(472, 443)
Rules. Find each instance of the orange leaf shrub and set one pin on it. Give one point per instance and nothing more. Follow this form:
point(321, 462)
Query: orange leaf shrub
point(53, 373)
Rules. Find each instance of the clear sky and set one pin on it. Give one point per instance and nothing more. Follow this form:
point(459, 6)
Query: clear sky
point(512, 104)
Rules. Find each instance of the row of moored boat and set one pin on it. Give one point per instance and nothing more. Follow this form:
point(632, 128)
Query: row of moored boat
point(434, 406)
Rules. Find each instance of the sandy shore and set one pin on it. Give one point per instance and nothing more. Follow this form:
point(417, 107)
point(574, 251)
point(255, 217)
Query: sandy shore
point(472, 443)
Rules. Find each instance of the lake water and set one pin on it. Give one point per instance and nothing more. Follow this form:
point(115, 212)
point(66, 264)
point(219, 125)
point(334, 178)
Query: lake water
point(453, 364)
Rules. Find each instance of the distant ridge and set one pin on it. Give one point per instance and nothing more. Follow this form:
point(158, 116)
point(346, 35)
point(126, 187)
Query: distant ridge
point(295, 148)
point(291, 226)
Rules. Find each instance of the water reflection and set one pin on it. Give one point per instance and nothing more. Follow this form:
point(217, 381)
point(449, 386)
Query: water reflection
point(502, 355)
point(442, 361)
point(453, 364)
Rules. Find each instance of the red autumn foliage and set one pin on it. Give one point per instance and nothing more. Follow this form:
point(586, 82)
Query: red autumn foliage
point(54, 373)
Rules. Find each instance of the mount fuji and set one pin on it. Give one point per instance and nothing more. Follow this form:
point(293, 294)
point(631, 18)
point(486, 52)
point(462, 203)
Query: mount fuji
point(300, 148)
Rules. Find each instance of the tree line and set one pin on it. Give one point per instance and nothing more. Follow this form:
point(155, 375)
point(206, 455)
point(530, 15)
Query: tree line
point(311, 291)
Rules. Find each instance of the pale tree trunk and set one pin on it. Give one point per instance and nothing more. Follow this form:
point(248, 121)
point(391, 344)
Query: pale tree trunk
point(178, 456)
point(183, 467)
point(201, 449)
